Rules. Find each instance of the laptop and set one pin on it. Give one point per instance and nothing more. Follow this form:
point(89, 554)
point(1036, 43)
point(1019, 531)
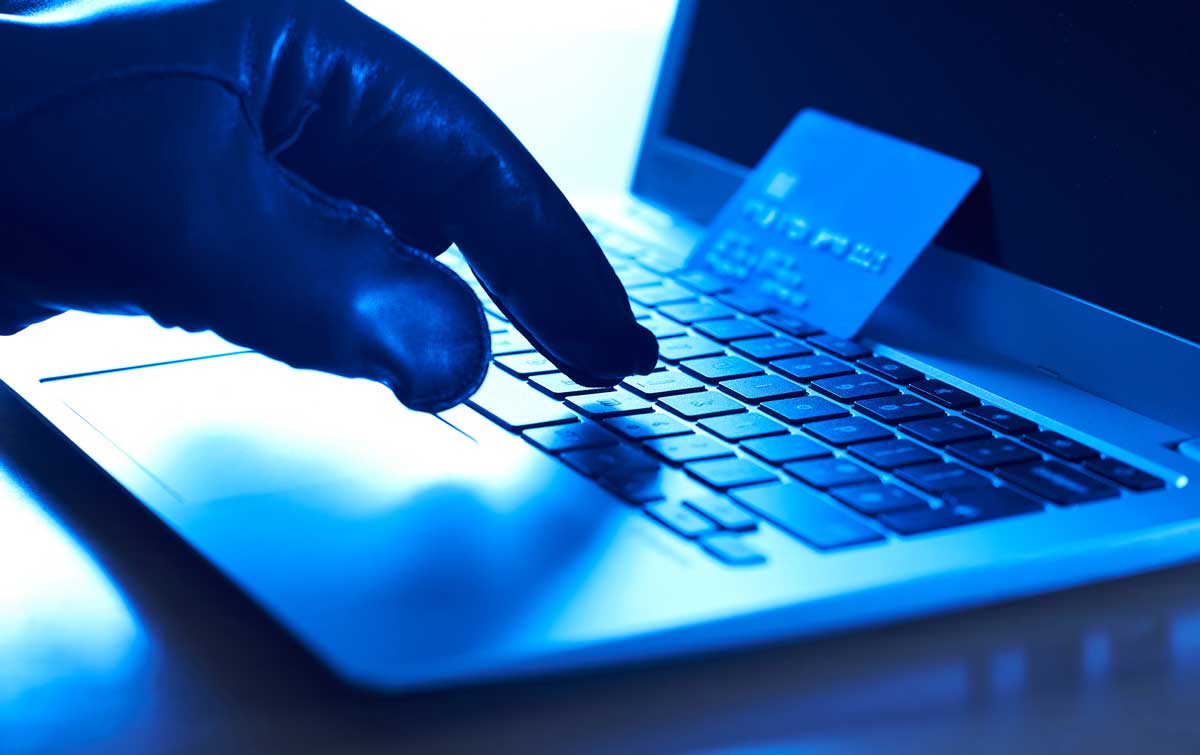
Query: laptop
point(1022, 414)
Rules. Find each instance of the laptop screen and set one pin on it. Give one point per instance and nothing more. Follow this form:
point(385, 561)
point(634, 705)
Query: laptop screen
point(1084, 116)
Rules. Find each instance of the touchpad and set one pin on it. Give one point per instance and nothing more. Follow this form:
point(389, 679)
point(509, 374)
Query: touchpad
point(244, 424)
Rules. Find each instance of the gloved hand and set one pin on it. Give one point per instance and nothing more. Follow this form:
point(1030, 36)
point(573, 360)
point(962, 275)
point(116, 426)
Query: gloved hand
point(283, 172)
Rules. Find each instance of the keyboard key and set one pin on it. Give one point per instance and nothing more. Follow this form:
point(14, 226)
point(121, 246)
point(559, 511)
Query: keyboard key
point(1061, 446)
point(854, 387)
point(773, 347)
point(727, 514)
point(688, 347)
point(738, 427)
point(804, 409)
point(496, 324)
point(892, 454)
point(991, 453)
point(730, 473)
point(944, 430)
point(890, 369)
point(840, 347)
point(720, 368)
point(791, 325)
point(573, 437)
point(616, 462)
point(695, 311)
point(632, 277)
point(509, 343)
point(515, 405)
point(559, 385)
point(664, 293)
point(646, 426)
point(944, 394)
point(750, 302)
point(702, 282)
point(661, 327)
point(1000, 420)
point(897, 409)
point(640, 312)
point(967, 507)
point(877, 498)
point(682, 519)
point(1057, 482)
point(844, 432)
point(635, 486)
point(685, 448)
point(701, 405)
point(780, 449)
point(613, 403)
point(658, 384)
point(524, 365)
point(1124, 474)
point(732, 330)
point(732, 549)
point(941, 477)
point(807, 516)
point(762, 388)
point(812, 367)
point(829, 473)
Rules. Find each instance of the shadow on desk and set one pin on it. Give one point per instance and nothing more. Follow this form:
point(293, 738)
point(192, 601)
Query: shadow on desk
point(198, 668)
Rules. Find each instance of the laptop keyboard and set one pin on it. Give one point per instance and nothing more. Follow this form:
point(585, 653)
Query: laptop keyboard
point(782, 424)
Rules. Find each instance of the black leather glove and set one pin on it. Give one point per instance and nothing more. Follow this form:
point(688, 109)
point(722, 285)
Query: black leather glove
point(283, 172)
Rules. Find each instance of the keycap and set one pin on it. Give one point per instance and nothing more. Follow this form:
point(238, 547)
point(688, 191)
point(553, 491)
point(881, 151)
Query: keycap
point(495, 324)
point(634, 486)
point(732, 330)
point(791, 325)
point(892, 454)
point(632, 277)
point(657, 384)
point(780, 449)
point(890, 369)
point(812, 367)
point(617, 462)
point(523, 365)
point(661, 327)
point(732, 549)
point(840, 347)
point(727, 514)
point(685, 448)
point(720, 368)
point(1000, 420)
point(738, 427)
point(804, 409)
point(573, 437)
point(941, 477)
point(730, 473)
point(1058, 482)
point(682, 519)
point(1061, 446)
point(770, 348)
point(944, 430)
point(700, 405)
point(702, 282)
point(943, 393)
point(750, 302)
point(613, 403)
point(967, 507)
point(991, 453)
point(829, 473)
point(807, 515)
point(618, 243)
point(559, 385)
point(664, 293)
point(1123, 474)
point(893, 410)
point(853, 387)
point(877, 498)
point(695, 311)
point(645, 426)
point(762, 388)
point(688, 347)
point(844, 432)
point(515, 405)
point(509, 343)
point(640, 312)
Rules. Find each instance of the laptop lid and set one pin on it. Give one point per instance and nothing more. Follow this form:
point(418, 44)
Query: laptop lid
point(1083, 116)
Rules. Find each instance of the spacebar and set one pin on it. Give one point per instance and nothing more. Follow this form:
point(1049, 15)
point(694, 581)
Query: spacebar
point(515, 404)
